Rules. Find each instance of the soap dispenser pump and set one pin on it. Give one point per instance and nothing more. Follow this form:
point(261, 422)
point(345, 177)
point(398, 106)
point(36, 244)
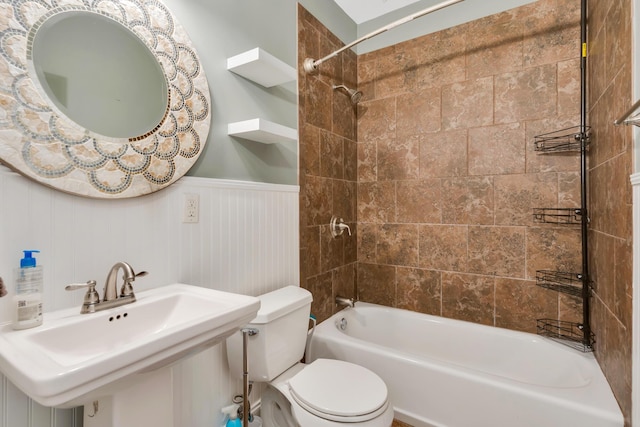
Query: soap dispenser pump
point(27, 301)
point(232, 412)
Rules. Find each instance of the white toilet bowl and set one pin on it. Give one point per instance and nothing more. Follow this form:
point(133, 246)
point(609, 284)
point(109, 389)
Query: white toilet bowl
point(326, 393)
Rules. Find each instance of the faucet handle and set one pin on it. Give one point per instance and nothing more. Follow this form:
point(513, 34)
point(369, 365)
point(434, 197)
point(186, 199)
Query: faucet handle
point(91, 284)
point(141, 274)
point(337, 226)
point(127, 289)
point(91, 298)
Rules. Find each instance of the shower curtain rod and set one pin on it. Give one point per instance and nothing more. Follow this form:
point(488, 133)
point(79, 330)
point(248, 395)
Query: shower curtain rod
point(625, 120)
point(310, 65)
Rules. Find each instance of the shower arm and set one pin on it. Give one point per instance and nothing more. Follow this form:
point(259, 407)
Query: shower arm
point(310, 65)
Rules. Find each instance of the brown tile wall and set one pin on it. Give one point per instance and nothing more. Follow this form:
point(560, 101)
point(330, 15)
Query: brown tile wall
point(447, 173)
point(328, 167)
point(436, 173)
point(610, 164)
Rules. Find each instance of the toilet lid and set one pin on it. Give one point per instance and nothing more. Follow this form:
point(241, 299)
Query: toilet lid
point(334, 389)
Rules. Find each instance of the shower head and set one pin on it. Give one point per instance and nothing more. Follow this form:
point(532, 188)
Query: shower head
point(355, 95)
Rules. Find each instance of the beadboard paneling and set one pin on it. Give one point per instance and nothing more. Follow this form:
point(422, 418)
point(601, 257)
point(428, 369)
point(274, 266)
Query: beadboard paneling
point(246, 242)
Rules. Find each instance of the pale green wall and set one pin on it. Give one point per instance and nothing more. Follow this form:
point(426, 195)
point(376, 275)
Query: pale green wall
point(223, 28)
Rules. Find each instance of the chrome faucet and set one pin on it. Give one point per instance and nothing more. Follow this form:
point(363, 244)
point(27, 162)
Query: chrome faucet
point(111, 298)
point(344, 301)
point(110, 286)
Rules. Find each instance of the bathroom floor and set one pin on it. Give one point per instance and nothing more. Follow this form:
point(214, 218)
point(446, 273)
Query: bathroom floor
point(397, 423)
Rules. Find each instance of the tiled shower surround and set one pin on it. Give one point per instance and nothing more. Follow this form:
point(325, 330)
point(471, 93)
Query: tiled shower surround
point(435, 171)
point(610, 164)
point(328, 167)
point(446, 176)
point(447, 172)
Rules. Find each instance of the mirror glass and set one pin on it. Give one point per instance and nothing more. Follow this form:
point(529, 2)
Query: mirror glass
point(103, 99)
point(106, 80)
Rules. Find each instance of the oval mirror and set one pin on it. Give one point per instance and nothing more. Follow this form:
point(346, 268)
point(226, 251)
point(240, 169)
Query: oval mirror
point(102, 99)
point(107, 80)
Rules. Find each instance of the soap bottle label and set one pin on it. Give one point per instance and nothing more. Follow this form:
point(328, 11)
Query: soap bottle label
point(29, 280)
point(29, 310)
point(28, 298)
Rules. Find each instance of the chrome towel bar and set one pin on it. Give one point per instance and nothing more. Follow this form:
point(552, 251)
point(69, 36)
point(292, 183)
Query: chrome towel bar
point(626, 119)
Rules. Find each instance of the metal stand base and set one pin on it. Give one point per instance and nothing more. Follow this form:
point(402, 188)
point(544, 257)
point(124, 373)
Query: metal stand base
point(246, 333)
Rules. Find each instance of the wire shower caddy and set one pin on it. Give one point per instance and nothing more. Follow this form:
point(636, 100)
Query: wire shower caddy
point(574, 334)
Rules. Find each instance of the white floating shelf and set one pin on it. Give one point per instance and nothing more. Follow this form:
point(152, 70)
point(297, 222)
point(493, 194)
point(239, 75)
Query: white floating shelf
point(261, 67)
point(261, 130)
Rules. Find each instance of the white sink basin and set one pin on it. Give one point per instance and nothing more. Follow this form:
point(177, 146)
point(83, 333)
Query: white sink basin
point(74, 357)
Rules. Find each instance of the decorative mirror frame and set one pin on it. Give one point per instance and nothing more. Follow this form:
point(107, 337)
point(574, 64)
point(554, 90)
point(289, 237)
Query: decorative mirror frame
point(43, 144)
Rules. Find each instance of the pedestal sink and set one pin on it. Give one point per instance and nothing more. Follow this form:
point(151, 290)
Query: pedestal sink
point(73, 358)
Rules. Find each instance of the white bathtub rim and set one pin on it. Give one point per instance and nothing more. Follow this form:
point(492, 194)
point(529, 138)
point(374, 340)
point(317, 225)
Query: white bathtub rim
point(410, 417)
point(510, 385)
point(467, 324)
point(593, 398)
point(589, 360)
point(495, 329)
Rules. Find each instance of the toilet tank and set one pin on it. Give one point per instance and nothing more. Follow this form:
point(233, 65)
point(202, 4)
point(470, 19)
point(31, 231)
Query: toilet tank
point(282, 323)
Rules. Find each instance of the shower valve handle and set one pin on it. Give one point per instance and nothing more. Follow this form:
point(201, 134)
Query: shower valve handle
point(338, 226)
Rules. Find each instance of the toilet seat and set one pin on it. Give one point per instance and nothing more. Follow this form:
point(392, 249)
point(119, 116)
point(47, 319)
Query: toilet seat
point(339, 391)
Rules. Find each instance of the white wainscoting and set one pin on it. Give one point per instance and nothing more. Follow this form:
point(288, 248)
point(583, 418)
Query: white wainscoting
point(246, 241)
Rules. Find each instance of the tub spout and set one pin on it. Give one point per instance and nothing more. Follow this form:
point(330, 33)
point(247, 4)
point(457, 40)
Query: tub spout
point(344, 301)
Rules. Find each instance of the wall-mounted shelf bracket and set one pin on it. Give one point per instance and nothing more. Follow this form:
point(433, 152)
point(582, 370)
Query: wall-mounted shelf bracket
point(261, 67)
point(568, 139)
point(261, 130)
point(557, 215)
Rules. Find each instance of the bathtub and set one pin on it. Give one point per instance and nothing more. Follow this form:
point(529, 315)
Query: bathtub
point(448, 373)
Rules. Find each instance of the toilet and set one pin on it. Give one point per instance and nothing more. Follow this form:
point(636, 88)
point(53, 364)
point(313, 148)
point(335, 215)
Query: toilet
point(323, 393)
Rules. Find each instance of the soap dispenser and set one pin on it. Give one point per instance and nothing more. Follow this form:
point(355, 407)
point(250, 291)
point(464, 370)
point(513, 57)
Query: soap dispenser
point(27, 301)
point(232, 416)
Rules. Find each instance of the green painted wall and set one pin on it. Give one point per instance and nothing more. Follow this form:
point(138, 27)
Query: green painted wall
point(223, 28)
